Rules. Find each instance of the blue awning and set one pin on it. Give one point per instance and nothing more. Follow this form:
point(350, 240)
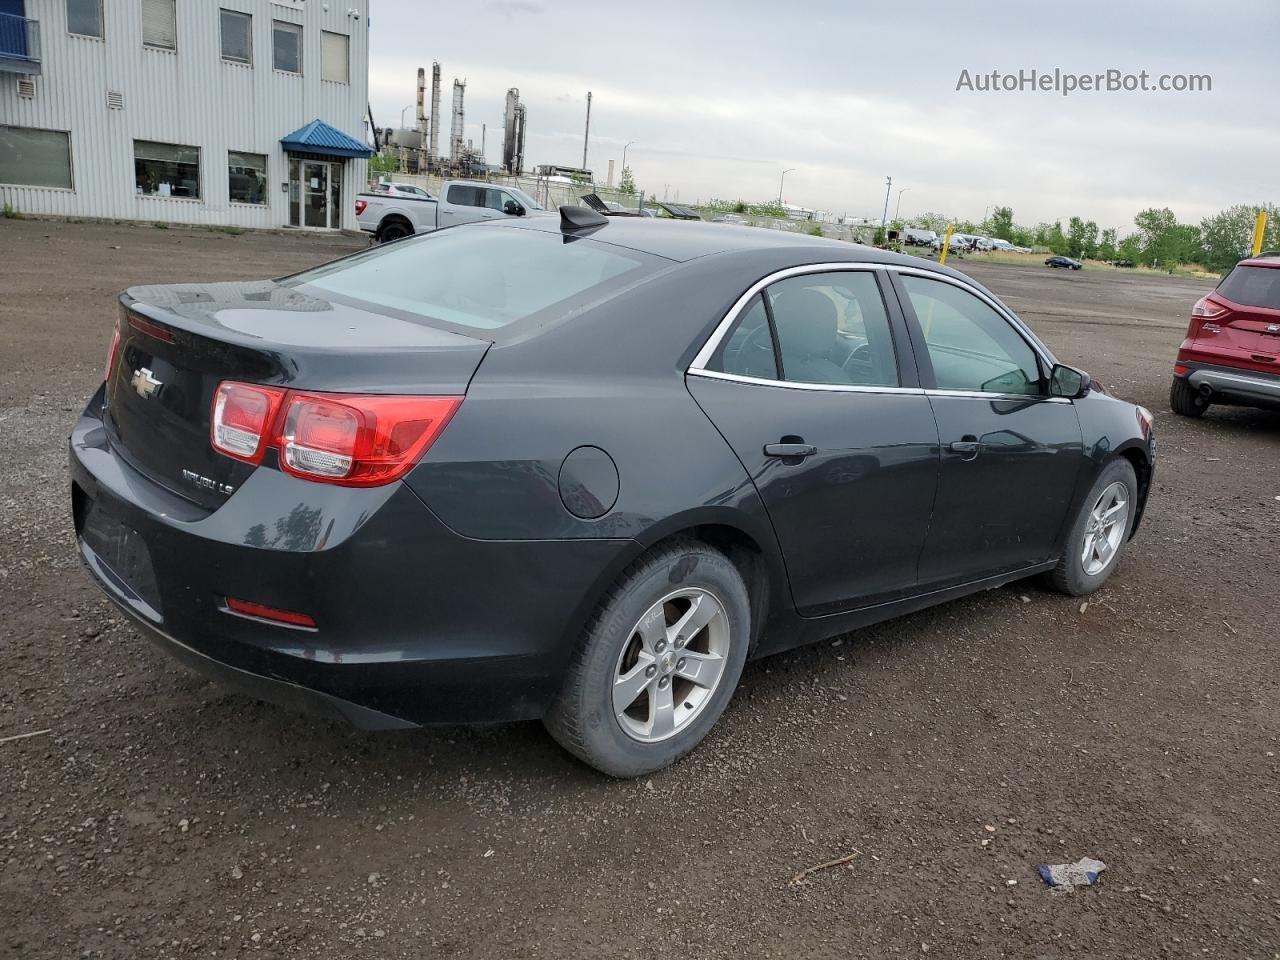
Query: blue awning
point(319, 138)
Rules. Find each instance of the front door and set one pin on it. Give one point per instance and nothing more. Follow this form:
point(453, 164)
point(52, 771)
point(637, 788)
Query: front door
point(315, 194)
point(1011, 454)
point(808, 389)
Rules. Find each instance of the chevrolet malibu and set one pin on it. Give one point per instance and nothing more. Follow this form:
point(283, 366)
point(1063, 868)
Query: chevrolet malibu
point(581, 470)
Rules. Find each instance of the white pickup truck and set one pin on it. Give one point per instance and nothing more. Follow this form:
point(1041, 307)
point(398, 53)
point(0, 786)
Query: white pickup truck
point(390, 217)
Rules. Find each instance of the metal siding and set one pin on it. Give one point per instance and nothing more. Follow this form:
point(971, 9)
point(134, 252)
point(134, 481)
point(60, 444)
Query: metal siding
point(191, 96)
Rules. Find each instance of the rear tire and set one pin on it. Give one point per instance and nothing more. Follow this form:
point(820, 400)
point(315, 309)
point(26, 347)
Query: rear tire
point(394, 231)
point(1095, 542)
point(633, 654)
point(1185, 400)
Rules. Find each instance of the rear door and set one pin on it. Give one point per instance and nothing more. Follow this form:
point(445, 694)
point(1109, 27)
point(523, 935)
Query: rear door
point(1010, 453)
point(813, 387)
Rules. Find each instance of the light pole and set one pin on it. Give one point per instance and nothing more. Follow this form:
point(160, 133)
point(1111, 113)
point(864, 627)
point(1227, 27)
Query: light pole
point(624, 153)
point(984, 215)
point(782, 180)
point(402, 110)
point(898, 209)
point(888, 188)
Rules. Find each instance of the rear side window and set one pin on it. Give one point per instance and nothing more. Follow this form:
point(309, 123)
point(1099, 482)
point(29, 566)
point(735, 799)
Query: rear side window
point(480, 279)
point(833, 328)
point(747, 351)
point(1253, 287)
point(466, 196)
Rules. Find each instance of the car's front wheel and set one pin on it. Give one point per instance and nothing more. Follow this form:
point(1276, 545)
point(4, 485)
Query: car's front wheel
point(1099, 532)
point(658, 663)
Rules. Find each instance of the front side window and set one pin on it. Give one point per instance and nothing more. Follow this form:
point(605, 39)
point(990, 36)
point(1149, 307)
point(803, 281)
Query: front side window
point(333, 56)
point(286, 46)
point(970, 345)
point(166, 169)
point(35, 158)
point(479, 279)
point(160, 24)
point(246, 177)
point(833, 328)
point(84, 18)
point(237, 36)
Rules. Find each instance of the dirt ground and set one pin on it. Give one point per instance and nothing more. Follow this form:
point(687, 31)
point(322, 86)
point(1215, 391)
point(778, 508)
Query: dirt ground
point(954, 750)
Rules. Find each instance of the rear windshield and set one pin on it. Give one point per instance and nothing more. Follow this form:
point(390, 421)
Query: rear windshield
point(480, 278)
point(1253, 287)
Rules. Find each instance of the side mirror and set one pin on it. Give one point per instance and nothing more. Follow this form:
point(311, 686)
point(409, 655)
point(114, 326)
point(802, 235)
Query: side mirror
point(512, 209)
point(1068, 382)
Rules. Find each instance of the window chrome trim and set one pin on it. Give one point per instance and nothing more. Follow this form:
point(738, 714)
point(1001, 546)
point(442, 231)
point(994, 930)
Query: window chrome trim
point(799, 385)
point(709, 348)
point(703, 357)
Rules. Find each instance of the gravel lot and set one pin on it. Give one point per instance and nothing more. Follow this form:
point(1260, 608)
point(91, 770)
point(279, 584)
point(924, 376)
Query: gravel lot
point(163, 816)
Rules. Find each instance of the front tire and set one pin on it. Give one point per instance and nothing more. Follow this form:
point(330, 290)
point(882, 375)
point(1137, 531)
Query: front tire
point(1185, 400)
point(1099, 532)
point(658, 663)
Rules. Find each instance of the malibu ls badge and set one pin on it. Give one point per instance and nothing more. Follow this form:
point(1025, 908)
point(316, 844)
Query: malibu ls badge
point(144, 383)
point(207, 483)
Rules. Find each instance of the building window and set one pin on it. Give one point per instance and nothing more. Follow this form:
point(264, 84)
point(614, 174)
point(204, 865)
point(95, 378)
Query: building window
point(35, 158)
point(286, 46)
point(237, 36)
point(166, 169)
point(246, 177)
point(333, 56)
point(84, 17)
point(159, 24)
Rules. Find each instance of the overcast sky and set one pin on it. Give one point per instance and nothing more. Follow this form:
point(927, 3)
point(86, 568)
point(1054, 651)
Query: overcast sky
point(720, 97)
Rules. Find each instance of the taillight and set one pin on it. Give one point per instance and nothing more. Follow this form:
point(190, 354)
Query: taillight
point(359, 441)
point(1207, 309)
point(349, 439)
point(243, 416)
point(360, 205)
point(113, 351)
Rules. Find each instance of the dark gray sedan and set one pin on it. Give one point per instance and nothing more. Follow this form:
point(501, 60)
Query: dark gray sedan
point(581, 470)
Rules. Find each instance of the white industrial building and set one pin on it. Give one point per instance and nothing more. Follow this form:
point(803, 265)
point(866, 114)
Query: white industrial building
point(238, 112)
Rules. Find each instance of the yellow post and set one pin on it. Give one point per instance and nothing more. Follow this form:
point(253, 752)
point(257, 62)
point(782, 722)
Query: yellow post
point(946, 243)
point(1259, 228)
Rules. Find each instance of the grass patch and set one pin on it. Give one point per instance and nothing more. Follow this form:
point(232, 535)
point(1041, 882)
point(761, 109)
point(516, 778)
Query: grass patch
point(233, 231)
point(160, 225)
point(10, 212)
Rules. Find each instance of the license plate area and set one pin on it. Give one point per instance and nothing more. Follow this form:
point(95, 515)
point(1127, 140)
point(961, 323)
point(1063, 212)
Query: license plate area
point(117, 554)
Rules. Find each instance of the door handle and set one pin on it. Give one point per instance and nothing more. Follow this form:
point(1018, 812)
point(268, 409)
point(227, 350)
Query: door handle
point(969, 446)
point(788, 451)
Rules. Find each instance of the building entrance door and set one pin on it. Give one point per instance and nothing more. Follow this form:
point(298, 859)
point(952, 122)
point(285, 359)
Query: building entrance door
point(315, 193)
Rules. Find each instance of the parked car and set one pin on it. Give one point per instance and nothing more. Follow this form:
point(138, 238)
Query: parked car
point(1122, 263)
point(536, 468)
point(401, 190)
point(915, 237)
point(1060, 261)
point(1231, 354)
point(394, 216)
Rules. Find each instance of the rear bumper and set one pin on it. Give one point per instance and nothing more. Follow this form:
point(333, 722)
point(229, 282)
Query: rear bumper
point(414, 623)
point(1232, 384)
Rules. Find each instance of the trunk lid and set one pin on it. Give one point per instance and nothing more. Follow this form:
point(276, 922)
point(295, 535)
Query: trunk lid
point(177, 343)
point(1248, 334)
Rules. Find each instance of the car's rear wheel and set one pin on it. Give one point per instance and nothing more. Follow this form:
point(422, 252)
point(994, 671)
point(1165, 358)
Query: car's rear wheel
point(395, 230)
point(1099, 532)
point(1185, 400)
point(660, 659)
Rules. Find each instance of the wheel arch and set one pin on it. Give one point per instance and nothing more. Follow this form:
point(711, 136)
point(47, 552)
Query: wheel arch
point(1143, 469)
point(394, 218)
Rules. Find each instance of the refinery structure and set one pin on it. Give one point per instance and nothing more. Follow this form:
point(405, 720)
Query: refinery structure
point(418, 147)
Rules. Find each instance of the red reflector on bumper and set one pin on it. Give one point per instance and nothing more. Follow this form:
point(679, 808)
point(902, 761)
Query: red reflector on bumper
point(260, 611)
point(1179, 370)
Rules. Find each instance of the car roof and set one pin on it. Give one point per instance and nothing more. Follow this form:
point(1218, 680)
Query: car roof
point(684, 240)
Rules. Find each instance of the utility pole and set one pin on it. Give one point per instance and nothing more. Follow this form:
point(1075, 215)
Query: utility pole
point(783, 180)
point(586, 136)
point(624, 154)
point(888, 188)
point(898, 209)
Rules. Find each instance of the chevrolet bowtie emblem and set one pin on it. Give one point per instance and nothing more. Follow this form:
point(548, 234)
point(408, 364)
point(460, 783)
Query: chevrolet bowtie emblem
point(146, 385)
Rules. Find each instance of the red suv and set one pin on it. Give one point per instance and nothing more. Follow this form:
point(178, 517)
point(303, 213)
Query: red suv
point(1232, 350)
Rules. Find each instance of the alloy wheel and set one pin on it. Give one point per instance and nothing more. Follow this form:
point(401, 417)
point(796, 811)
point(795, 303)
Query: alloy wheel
point(1105, 528)
point(671, 665)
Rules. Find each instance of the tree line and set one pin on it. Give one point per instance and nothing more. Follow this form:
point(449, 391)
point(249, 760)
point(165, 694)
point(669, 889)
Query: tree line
point(1159, 240)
